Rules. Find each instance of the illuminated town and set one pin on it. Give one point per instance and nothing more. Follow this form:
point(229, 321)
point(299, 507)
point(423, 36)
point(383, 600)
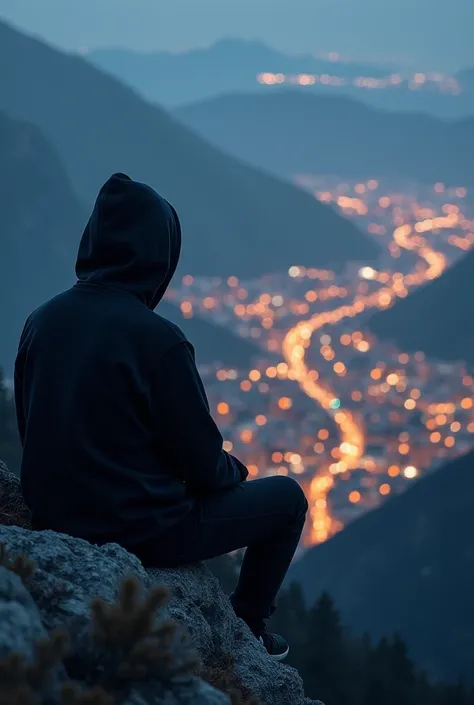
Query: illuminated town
point(438, 82)
point(352, 418)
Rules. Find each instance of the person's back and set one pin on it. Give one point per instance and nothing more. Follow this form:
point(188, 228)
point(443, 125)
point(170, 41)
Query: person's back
point(119, 444)
point(90, 460)
point(96, 388)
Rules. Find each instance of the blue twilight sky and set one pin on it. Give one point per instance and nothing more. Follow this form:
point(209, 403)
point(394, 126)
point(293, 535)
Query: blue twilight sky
point(429, 33)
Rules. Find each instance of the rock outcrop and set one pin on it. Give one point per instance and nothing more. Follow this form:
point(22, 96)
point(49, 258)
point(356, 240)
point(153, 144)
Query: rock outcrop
point(13, 511)
point(69, 573)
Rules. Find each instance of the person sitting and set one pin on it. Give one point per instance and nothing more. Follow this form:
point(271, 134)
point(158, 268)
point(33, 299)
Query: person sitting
point(119, 444)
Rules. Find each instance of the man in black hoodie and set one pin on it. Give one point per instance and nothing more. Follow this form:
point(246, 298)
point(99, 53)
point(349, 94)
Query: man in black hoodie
point(118, 441)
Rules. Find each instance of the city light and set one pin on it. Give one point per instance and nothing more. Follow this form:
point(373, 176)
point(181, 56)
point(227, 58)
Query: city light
point(393, 81)
point(367, 273)
point(337, 435)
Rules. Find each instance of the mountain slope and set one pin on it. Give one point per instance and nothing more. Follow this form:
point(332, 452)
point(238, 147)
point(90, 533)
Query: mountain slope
point(291, 132)
point(447, 335)
point(408, 567)
point(41, 220)
point(236, 220)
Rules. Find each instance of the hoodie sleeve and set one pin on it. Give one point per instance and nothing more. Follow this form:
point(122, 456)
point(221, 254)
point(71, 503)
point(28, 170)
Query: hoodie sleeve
point(185, 428)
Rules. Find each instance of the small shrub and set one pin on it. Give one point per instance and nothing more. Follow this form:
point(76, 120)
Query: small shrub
point(135, 648)
point(23, 566)
point(132, 646)
point(29, 683)
point(220, 673)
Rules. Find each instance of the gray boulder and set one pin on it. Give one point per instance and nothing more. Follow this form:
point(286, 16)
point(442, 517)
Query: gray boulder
point(13, 510)
point(20, 619)
point(71, 572)
point(21, 627)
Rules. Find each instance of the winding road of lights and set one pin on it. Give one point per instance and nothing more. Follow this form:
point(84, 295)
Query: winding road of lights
point(352, 432)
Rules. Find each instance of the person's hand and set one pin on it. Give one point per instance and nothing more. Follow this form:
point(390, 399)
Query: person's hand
point(244, 473)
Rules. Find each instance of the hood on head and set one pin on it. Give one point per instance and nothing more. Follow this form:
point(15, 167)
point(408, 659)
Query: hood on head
point(132, 241)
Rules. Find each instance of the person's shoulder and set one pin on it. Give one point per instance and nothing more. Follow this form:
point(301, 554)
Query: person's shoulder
point(173, 332)
point(37, 320)
point(36, 315)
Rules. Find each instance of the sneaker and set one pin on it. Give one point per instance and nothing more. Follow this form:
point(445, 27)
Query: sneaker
point(276, 646)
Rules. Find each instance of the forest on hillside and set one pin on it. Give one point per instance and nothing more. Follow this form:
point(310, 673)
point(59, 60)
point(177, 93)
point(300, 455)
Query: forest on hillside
point(340, 668)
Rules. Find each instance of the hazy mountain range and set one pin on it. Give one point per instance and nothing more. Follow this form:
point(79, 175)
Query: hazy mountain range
point(444, 306)
point(236, 220)
point(429, 34)
point(408, 567)
point(227, 66)
point(232, 65)
point(292, 132)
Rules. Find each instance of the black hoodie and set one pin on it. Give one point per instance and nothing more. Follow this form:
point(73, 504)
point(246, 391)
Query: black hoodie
point(117, 436)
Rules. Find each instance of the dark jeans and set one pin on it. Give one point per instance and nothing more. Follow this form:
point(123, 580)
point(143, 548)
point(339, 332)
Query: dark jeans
point(267, 516)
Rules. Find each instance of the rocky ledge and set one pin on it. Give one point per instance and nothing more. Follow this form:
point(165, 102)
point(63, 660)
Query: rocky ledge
point(88, 625)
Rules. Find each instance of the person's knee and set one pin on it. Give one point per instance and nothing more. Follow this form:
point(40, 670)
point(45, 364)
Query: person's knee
point(294, 493)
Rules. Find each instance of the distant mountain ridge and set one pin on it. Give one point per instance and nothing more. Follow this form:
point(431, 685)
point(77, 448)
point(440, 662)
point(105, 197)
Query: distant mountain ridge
point(446, 310)
point(226, 66)
point(408, 567)
point(292, 132)
point(236, 220)
point(232, 65)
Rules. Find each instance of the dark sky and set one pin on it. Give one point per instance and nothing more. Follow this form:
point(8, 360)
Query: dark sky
point(430, 33)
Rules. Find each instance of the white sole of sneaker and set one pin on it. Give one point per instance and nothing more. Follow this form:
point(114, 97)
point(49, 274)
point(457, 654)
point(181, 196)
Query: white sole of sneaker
point(277, 657)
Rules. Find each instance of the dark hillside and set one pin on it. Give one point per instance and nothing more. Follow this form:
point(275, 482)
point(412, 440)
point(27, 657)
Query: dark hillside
point(290, 132)
point(408, 567)
point(41, 224)
point(445, 309)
